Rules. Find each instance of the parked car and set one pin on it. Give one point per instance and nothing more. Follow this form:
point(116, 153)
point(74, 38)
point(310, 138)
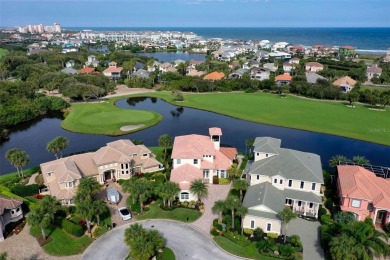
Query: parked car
point(124, 213)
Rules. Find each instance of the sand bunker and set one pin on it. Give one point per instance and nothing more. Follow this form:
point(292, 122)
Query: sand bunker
point(127, 128)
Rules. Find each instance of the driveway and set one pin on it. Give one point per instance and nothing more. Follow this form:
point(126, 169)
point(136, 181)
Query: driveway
point(185, 241)
point(216, 192)
point(309, 232)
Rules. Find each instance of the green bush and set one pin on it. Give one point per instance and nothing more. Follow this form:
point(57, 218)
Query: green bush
point(329, 205)
point(148, 175)
point(321, 211)
point(286, 250)
point(96, 232)
point(218, 226)
point(248, 231)
point(272, 235)
point(214, 232)
point(237, 238)
point(24, 191)
point(325, 236)
point(326, 219)
point(258, 232)
point(72, 228)
point(266, 245)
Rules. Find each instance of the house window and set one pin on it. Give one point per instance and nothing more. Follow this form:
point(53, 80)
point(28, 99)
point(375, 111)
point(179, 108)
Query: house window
point(310, 205)
point(223, 174)
point(289, 202)
point(69, 184)
point(178, 161)
point(289, 183)
point(184, 196)
point(206, 174)
point(313, 186)
point(299, 203)
point(258, 177)
point(275, 180)
point(302, 184)
point(355, 203)
point(258, 154)
point(252, 224)
point(269, 226)
point(281, 181)
point(195, 161)
point(266, 155)
point(145, 154)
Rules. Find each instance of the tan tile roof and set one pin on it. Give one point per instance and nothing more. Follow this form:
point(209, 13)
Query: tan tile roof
point(229, 152)
point(314, 64)
point(113, 69)
point(8, 203)
point(192, 147)
point(215, 131)
point(214, 76)
point(357, 182)
point(185, 174)
point(344, 80)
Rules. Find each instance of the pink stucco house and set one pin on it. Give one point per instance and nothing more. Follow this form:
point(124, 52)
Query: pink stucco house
point(199, 157)
point(364, 194)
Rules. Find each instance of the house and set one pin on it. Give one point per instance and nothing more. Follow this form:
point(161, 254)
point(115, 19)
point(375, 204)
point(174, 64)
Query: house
point(69, 64)
point(178, 61)
point(364, 194)
point(283, 79)
point(260, 73)
point(117, 160)
point(113, 71)
point(347, 51)
point(214, 76)
point(294, 61)
point(314, 66)
point(373, 71)
point(163, 67)
point(280, 55)
point(287, 67)
point(262, 55)
point(237, 74)
point(10, 211)
point(345, 83)
point(194, 63)
point(199, 157)
point(92, 61)
point(278, 178)
point(195, 73)
point(70, 71)
point(312, 77)
point(271, 67)
point(141, 74)
point(152, 67)
point(86, 70)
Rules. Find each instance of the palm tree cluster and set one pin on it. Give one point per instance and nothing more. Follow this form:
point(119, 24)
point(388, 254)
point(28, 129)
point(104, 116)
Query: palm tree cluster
point(140, 190)
point(17, 158)
point(337, 159)
point(57, 145)
point(86, 205)
point(168, 192)
point(43, 214)
point(199, 188)
point(143, 243)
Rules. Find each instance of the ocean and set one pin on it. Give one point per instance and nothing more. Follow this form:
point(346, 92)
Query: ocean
point(374, 40)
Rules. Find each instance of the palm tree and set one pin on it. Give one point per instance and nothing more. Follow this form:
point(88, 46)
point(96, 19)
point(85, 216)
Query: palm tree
point(341, 247)
point(335, 160)
point(87, 188)
point(286, 215)
point(232, 202)
point(360, 160)
point(56, 145)
point(140, 190)
point(241, 211)
point(249, 144)
point(199, 188)
point(240, 185)
point(50, 205)
point(99, 207)
point(165, 141)
point(84, 209)
point(38, 217)
point(168, 192)
point(17, 158)
point(219, 207)
point(234, 172)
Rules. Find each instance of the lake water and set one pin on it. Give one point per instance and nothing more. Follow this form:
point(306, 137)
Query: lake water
point(171, 56)
point(180, 121)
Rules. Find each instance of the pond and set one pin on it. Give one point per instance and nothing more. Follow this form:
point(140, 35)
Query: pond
point(180, 121)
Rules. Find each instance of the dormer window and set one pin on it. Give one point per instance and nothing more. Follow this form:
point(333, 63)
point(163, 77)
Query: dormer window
point(145, 154)
point(69, 184)
point(48, 174)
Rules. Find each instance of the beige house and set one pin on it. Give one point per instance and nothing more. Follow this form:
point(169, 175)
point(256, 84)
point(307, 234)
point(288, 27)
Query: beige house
point(10, 211)
point(117, 160)
point(278, 178)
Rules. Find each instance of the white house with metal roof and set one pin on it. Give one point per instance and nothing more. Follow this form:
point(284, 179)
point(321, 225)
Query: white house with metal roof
point(278, 178)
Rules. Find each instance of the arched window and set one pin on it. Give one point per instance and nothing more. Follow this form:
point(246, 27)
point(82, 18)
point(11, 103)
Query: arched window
point(184, 196)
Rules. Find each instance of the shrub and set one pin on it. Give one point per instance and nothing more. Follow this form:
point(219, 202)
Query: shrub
point(321, 211)
point(325, 236)
point(215, 180)
point(248, 231)
point(326, 219)
point(148, 175)
point(266, 245)
point(388, 228)
point(237, 238)
point(72, 228)
point(185, 204)
point(295, 241)
point(24, 191)
point(96, 232)
point(272, 235)
point(214, 232)
point(329, 205)
point(39, 180)
point(218, 226)
point(286, 250)
point(258, 232)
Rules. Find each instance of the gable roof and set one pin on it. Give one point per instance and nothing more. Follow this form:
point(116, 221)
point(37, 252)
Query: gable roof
point(358, 182)
point(314, 64)
point(87, 70)
point(264, 194)
point(192, 147)
point(313, 77)
point(229, 152)
point(344, 80)
point(214, 76)
point(266, 144)
point(284, 77)
point(185, 174)
point(8, 203)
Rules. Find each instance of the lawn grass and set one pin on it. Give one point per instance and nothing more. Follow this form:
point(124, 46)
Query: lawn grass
point(167, 254)
point(294, 112)
point(158, 152)
point(179, 214)
point(61, 243)
point(13, 176)
point(3, 52)
point(249, 251)
point(107, 119)
point(379, 88)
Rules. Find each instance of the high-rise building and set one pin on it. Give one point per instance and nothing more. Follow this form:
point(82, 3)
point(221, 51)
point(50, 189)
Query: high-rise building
point(57, 27)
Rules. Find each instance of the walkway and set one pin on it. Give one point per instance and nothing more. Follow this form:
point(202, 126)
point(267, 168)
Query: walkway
point(216, 192)
point(309, 232)
point(185, 241)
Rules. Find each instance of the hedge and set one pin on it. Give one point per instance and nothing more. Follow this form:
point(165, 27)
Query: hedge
point(25, 191)
point(325, 237)
point(72, 228)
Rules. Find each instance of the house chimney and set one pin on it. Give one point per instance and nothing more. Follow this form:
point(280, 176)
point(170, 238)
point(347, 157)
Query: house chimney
point(215, 134)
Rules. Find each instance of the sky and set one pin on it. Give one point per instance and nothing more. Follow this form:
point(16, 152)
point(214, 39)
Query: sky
point(197, 13)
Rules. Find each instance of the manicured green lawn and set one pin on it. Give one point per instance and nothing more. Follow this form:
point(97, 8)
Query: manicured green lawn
point(167, 254)
point(105, 118)
point(3, 52)
point(179, 214)
point(249, 251)
point(13, 176)
point(293, 112)
point(61, 243)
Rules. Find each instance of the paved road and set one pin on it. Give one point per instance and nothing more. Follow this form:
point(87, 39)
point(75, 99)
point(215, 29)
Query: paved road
point(184, 240)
